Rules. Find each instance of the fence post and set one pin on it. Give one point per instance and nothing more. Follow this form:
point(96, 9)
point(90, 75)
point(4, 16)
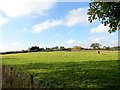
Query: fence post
point(11, 69)
point(31, 82)
point(3, 68)
point(11, 76)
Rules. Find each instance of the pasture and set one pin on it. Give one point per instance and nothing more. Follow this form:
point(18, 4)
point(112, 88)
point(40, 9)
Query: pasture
point(83, 69)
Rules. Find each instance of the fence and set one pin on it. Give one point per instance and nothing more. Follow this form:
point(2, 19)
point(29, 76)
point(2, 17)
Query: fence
point(11, 78)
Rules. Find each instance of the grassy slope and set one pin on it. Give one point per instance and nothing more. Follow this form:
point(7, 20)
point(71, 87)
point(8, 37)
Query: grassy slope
point(69, 69)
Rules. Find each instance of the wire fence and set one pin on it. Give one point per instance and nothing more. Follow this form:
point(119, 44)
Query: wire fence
point(11, 78)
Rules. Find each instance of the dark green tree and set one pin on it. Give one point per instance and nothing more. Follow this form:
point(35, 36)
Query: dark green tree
point(33, 49)
point(106, 48)
point(56, 47)
point(62, 47)
point(107, 12)
point(95, 45)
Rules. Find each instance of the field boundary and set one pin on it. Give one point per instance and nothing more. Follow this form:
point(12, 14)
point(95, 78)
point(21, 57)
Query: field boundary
point(11, 78)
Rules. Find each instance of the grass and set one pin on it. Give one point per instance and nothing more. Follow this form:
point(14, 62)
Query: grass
point(84, 69)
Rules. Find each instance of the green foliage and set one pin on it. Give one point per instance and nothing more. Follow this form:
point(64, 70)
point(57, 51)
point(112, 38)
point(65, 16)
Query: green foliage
point(107, 12)
point(116, 48)
point(106, 48)
point(85, 69)
point(95, 45)
point(33, 49)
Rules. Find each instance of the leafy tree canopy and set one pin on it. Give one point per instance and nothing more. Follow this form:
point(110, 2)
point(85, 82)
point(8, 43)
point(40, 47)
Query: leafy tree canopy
point(95, 45)
point(107, 12)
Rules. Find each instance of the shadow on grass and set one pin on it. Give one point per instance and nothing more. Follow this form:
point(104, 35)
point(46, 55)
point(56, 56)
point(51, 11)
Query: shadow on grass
point(87, 74)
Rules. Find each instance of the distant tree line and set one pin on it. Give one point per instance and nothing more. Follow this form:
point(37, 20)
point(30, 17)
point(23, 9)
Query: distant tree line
point(56, 48)
point(97, 46)
point(94, 46)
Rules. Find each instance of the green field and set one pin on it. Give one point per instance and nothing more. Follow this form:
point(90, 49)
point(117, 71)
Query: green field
point(84, 69)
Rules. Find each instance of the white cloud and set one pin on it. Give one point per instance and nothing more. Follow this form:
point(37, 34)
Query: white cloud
point(79, 43)
point(115, 43)
point(76, 16)
point(14, 8)
point(104, 39)
point(3, 20)
point(70, 42)
point(48, 24)
point(14, 46)
point(100, 28)
point(97, 40)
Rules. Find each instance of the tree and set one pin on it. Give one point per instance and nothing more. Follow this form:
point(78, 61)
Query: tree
point(41, 49)
point(95, 45)
point(116, 48)
point(62, 47)
point(106, 48)
point(56, 48)
point(107, 12)
point(76, 48)
point(33, 49)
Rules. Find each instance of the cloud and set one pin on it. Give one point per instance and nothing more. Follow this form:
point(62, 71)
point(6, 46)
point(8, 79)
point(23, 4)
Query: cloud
point(70, 42)
point(14, 8)
point(3, 20)
point(105, 39)
point(100, 28)
point(14, 46)
point(48, 24)
point(76, 16)
point(97, 40)
point(115, 43)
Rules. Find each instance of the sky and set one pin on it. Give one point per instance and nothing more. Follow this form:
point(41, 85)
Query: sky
point(47, 24)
